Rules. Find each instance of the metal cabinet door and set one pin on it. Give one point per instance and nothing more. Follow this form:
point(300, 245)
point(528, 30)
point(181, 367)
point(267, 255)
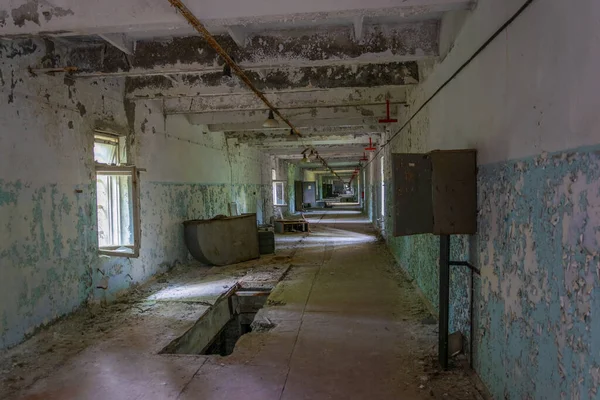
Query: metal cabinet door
point(412, 194)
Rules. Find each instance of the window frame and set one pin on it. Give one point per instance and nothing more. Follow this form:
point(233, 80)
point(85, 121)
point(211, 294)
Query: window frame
point(116, 170)
point(120, 169)
point(275, 193)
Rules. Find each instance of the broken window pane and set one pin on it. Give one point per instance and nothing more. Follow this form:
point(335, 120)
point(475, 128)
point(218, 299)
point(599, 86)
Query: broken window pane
point(106, 149)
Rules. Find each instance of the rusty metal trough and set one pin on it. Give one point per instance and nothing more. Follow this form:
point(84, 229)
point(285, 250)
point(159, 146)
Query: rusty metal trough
point(222, 240)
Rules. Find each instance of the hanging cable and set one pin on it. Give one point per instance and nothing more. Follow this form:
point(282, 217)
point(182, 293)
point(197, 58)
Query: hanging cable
point(524, 7)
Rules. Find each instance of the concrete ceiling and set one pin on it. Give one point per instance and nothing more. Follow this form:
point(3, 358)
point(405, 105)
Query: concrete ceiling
point(328, 65)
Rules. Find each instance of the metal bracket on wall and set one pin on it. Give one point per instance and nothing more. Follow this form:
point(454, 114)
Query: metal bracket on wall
point(466, 264)
point(444, 304)
point(444, 301)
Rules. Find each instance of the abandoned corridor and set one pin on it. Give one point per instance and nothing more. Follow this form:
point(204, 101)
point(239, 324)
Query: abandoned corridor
point(467, 131)
point(347, 325)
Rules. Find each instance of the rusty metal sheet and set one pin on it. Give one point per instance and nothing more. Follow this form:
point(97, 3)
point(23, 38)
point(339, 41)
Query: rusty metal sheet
point(454, 195)
point(412, 194)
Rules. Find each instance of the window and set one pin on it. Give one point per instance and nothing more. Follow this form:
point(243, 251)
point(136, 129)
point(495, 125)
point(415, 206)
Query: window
point(279, 193)
point(117, 195)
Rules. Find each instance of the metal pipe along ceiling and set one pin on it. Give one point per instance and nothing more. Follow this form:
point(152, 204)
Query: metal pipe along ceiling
point(200, 28)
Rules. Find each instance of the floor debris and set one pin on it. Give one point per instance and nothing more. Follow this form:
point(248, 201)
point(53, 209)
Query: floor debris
point(341, 322)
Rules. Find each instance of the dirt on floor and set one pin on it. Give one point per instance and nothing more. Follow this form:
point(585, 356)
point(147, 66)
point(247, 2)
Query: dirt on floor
point(51, 346)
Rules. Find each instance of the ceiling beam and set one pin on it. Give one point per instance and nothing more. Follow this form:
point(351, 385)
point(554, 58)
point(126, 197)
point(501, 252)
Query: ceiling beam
point(333, 164)
point(315, 47)
point(301, 125)
point(307, 134)
point(329, 98)
point(314, 141)
point(327, 152)
point(296, 115)
point(294, 59)
point(288, 79)
point(306, 142)
point(109, 16)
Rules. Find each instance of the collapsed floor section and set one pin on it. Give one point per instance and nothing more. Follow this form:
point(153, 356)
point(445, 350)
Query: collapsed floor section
point(220, 327)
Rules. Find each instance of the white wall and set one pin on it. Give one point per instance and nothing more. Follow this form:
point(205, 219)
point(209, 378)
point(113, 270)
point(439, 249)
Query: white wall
point(532, 90)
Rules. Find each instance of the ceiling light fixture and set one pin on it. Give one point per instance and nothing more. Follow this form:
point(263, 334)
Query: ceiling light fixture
point(270, 122)
point(305, 159)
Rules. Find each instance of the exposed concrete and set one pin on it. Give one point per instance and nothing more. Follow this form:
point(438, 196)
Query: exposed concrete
point(327, 341)
point(297, 115)
point(271, 141)
point(311, 48)
point(286, 78)
point(320, 142)
point(158, 17)
point(338, 97)
point(318, 132)
point(357, 123)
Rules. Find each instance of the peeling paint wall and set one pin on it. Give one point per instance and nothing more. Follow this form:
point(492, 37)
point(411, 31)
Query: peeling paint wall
point(48, 238)
point(189, 174)
point(537, 325)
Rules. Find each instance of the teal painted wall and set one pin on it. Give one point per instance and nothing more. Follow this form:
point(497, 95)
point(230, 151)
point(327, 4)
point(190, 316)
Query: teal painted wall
point(49, 260)
point(538, 319)
point(46, 269)
point(52, 261)
point(537, 325)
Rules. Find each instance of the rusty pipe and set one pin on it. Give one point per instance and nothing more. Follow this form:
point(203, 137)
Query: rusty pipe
point(198, 26)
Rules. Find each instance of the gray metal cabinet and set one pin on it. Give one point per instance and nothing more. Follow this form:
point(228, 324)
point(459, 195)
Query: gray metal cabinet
point(435, 192)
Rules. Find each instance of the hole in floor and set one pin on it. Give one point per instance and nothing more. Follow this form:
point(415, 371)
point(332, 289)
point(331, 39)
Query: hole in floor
point(219, 329)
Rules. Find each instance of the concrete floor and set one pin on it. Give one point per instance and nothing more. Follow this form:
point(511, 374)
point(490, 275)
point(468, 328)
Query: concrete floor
point(347, 326)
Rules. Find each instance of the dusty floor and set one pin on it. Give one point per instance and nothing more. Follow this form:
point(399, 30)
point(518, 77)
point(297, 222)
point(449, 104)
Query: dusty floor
point(348, 325)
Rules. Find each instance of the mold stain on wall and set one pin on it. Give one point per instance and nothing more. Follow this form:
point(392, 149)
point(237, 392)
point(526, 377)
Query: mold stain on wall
point(48, 236)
